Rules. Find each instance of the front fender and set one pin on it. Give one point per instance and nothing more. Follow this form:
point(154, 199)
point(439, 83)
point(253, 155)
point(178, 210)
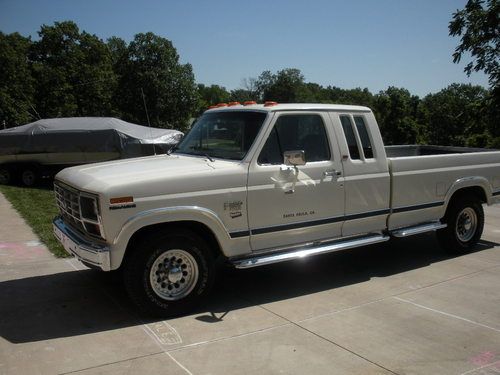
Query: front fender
point(166, 215)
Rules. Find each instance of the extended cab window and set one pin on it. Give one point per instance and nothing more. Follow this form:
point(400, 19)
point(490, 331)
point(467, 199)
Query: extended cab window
point(350, 137)
point(296, 132)
point(226, 135)
point(364, 137)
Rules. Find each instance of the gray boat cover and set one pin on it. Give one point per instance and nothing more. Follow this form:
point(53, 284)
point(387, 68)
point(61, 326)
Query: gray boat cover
point(86, 134)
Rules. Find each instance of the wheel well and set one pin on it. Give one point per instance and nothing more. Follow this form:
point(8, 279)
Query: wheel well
point(475, 191)
point(200, 229)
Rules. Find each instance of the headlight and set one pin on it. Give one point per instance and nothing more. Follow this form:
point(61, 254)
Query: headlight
point(89, 207)
point(90, 215)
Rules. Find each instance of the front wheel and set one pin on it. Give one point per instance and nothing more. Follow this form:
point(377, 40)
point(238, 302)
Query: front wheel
point(465, 222)
point(170, 273)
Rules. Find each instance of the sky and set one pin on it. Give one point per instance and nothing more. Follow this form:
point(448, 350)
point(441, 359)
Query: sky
point(348, 44)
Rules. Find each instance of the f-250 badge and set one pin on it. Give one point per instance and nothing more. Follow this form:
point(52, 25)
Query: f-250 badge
point(234, 208)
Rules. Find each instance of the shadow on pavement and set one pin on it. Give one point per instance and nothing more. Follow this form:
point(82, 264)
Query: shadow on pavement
point(83, 302)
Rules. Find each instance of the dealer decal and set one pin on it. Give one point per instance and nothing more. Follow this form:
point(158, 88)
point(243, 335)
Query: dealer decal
point(234, 208)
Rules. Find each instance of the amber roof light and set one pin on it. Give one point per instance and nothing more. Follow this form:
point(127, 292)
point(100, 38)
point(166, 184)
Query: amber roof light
point(269, 104)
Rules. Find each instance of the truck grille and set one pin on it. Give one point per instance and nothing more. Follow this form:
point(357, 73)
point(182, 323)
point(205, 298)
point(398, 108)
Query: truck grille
point(68, 201)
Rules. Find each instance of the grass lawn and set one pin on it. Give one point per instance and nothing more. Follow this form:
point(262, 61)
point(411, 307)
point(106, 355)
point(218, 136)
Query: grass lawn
point(37, 206)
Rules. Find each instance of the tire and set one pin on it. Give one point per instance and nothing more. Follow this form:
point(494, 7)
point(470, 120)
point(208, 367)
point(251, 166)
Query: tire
point(169, 274)
point(465, 222)
point(29, 177)
point(5, 176)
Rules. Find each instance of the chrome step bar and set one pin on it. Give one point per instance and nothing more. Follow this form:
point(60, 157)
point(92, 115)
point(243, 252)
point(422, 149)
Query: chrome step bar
point(308, 250)
point(417, 229)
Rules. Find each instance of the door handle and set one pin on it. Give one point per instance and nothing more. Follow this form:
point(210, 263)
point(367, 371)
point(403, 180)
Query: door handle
point(332, 173)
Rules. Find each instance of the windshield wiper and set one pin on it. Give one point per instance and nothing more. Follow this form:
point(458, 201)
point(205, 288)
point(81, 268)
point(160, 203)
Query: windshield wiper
point(209, 158)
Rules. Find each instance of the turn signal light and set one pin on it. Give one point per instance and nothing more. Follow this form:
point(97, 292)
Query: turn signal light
point(121, 200)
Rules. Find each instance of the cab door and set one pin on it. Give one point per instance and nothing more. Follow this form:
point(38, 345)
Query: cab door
point(292, 205)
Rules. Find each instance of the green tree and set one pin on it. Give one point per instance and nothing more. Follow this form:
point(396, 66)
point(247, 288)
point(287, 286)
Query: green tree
point(73, 71)
point(283, 87)
point(456, 116)
point(16, 82)
point(243, 95)
point(396, 111)
point(152, 67)
point(211, 95)
point(478, 26)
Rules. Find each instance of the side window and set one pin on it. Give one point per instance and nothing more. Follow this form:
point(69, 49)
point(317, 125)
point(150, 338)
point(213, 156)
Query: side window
point(296, 132)
point(350, 137)
point(364, 137)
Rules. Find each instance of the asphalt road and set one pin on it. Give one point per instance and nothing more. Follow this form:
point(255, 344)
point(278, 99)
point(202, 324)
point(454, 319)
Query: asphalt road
point(403, 307)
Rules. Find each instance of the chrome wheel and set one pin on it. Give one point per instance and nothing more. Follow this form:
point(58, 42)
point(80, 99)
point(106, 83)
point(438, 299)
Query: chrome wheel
point(174, 274)
point(466, 224)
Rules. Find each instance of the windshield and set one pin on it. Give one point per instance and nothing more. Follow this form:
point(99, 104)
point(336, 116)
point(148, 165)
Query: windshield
point(226, 135)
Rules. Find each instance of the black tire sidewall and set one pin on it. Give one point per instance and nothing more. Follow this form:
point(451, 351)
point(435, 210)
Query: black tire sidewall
point(34, 174)
point(7, 174)
point(449, 238)
point(138, 267)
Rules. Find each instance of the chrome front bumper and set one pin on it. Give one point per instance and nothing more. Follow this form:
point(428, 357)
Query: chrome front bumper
point(93, 254)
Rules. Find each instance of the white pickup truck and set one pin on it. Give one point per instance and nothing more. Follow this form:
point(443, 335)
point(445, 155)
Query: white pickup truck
point(258, 184)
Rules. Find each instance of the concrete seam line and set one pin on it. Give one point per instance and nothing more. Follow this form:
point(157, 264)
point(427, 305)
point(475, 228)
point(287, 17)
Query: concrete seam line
point(331, 341)
point(178, 363)
point(343, 310)
point(398, 294)
point(151, 334)
point(110, 363)
point(447, 314)
point(225, 338)
point(445, 281)
point(480, 368)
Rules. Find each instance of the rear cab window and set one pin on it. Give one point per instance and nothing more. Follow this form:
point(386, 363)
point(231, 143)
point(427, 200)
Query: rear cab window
point(357, 137)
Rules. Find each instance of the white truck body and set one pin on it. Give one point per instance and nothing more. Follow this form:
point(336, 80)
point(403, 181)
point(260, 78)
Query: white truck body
point(259, 213)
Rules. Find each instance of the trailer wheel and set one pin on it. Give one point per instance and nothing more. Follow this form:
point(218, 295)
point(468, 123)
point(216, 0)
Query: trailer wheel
point(168, 274)
point(465, 222)
point(5, 176)
point(29, 176)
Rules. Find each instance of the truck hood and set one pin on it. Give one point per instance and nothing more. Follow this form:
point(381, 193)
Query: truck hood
point(152, 175)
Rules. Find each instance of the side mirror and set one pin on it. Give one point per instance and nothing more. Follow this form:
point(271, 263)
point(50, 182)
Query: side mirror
point(294, 158)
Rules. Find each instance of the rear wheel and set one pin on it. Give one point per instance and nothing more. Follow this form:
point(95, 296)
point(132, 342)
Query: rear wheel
point(169, 274)
point(465, 222)
point(29, 176)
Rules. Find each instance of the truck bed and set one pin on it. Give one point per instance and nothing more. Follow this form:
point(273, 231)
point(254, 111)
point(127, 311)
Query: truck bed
point(423, 177)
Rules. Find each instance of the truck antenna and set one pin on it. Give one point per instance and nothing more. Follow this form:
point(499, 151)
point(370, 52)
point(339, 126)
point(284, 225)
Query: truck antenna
point(147, 116)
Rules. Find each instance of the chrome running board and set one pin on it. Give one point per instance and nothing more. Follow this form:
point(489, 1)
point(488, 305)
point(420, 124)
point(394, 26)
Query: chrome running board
point(307, 250)
point(417, 229)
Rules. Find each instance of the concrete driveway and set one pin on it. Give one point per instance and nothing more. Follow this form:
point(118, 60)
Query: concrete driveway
point(403, 307)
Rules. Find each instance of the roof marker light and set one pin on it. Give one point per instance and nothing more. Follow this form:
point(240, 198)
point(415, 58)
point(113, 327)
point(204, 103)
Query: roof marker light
point(250, 102)
point(221, 105)
point(269, 104)
point(231, 104)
